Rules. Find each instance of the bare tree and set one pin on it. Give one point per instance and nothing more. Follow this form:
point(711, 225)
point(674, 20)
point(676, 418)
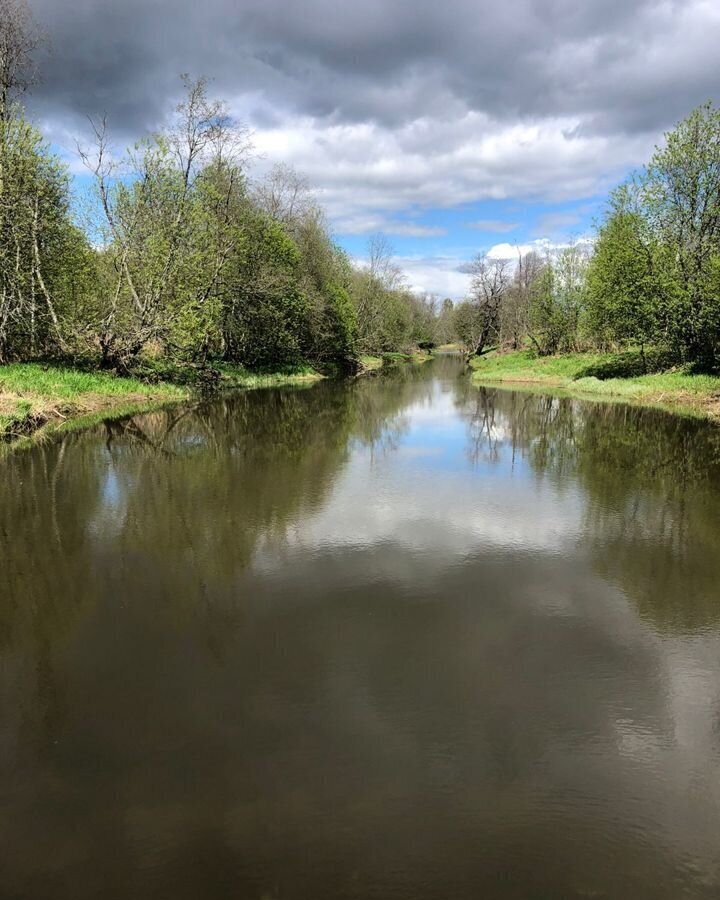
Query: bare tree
point(490, 281)
point(514, 318)
point(381, 263)
point(379, 282)
point(19, 38)
point(285, 195)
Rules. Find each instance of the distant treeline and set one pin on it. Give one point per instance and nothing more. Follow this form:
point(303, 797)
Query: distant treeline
point(650, 279)
point(177, 253)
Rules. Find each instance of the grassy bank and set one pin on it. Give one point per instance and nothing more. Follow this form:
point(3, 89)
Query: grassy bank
point(621, 376)
point(448, 348)
point(370, 363)
point(38, 396)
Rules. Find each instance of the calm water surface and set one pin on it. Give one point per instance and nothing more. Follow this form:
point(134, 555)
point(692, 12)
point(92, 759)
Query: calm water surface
point(396, 638)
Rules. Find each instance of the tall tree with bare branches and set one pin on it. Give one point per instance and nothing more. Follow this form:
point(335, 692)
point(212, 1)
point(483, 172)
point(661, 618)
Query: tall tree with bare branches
point(478, 319)
point(19, 38)
point(167, 223)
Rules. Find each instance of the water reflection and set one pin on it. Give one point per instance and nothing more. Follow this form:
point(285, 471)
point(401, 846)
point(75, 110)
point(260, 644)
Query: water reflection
point(398, 637)
point(651, 483)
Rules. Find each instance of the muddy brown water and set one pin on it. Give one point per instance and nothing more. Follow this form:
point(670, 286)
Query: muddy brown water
point(393, 638)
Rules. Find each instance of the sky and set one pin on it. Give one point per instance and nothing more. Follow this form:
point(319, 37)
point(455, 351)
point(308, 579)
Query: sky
point(454, 128)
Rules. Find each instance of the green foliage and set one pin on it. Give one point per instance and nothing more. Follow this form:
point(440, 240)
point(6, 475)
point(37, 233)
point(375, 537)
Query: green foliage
point(191, 263)
point(265, 313)
point(337, 329)
point(557, 301)
point(325, 278)
point(468, 321)
point(655, 277)
point(35, 234)
point(445, 323)
point(622, 291)
point(390, 317)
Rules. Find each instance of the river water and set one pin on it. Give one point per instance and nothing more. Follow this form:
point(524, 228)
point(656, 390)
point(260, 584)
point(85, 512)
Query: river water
point(399, 637)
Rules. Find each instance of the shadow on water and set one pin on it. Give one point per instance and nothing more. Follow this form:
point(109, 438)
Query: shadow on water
point(395, 637)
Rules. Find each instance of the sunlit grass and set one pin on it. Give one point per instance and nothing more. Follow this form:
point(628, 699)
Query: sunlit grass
point(44, 395)
point(371, 363)
point(59, 382)
point(238, 376)
point(597, 373)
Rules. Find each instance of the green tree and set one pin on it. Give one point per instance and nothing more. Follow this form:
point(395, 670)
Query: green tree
point(325, 277)
point(265, 313)
point(35, 231)
point(681, 194)
point(557, 302)
point(623, 300)
point(656, 273)
point(445, 326)
point(168, 226)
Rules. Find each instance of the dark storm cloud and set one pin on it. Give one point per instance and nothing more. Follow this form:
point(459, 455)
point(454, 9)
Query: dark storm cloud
point(616, 66)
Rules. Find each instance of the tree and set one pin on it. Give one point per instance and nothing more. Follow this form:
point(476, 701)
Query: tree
point(380, 300)
point(285, 196)
point(490, 282)
point(515, 308)
point(424, 318)
point(265, 312)
point(19, 38)
point(168, 222)
point(680, 196)
point(623, 302)
point(324, 272)
point(655, 275)
point(325, 278)
point(468, 325)
point(34, 227)
point(557, 301)
point(445, 327)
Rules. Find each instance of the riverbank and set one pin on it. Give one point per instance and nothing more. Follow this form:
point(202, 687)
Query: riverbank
point(44, 397)
point(616, 376)
point(371, 363)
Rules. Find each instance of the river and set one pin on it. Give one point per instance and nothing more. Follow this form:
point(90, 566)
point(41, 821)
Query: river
point(397, 637)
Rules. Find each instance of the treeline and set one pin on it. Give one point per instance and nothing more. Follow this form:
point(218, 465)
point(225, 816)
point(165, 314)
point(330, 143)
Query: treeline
point(178, 254)
point(651, 279)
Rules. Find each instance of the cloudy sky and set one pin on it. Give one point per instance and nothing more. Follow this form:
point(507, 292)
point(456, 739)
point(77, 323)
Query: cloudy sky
point(452, 127)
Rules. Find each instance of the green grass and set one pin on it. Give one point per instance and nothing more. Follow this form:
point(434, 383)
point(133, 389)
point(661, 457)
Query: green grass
point(14, 413)
point(35, 396)
point(371, 363)
point(234, 376)
point(447, 348)
point(611, 375)
point(60, 382)
point(415, 356)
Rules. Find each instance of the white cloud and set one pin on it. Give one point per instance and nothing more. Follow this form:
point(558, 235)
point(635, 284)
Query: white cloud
point(541, 245)
point(368, 171)
point(437, 275)
point(510, 251)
